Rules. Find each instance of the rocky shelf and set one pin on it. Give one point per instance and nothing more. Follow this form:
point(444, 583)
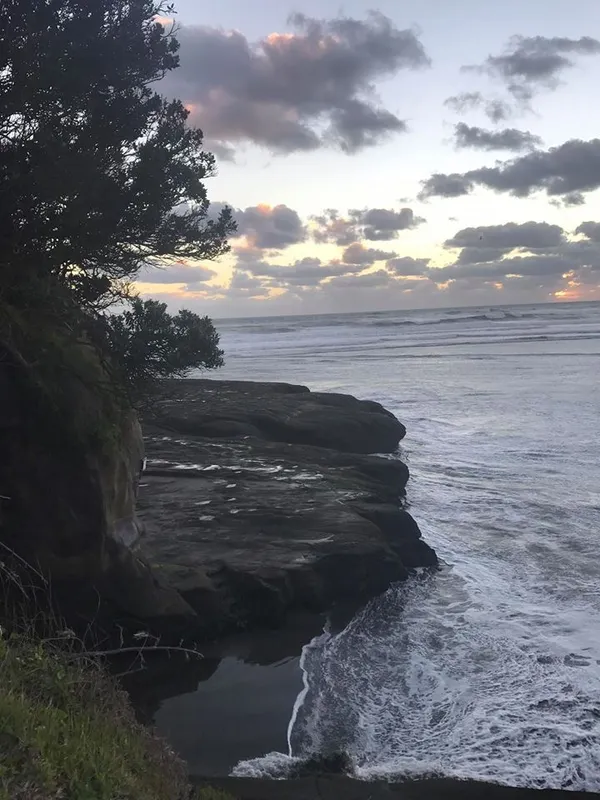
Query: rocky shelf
point(260, 499)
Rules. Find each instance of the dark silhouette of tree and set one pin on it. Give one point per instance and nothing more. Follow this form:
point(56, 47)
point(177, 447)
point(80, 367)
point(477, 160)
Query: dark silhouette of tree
point(98, 173)
point(148, 344)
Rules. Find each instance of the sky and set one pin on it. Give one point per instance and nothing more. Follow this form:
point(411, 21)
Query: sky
point(394, 155)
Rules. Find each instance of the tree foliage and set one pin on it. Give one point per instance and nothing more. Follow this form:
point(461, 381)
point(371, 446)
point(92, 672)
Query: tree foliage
point(149, 344)
point(99, 174)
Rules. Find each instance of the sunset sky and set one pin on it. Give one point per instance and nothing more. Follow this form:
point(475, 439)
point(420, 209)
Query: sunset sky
point(391, 156)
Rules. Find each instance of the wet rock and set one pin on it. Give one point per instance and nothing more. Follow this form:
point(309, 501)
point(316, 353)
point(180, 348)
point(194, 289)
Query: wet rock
point(281, 413)
point(249, 527)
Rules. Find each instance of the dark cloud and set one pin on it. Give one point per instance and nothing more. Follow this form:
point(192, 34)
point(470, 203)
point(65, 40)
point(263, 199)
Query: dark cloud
point(374, 224)
point(509, 236)
point(382, 224)
point(495, 109)
point(405, 265)
point(248, 254)
point(330, 226)
point(446, 185)
point(528, 257)
point(371, 280)
point(551, 255)
point(471, 136)
point(267, 227)
point(245, 285)
point(589, 276)
point(531, 63)
point(222, 152)
point(478, 255)
point(570, 200)
point(590, 230)
point(294, 91)
point(176, 273)
point(526, 265)
point(568, 170)
point(359, 254)
point(305, 272)
point(359, 125)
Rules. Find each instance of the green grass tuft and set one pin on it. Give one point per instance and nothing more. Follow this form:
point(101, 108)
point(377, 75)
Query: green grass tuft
point(67, 731)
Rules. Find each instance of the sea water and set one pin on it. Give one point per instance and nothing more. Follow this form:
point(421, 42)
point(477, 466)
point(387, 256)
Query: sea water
point(490, 668)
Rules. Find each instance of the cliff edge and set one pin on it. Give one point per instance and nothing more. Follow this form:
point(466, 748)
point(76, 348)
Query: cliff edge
point(259, 499)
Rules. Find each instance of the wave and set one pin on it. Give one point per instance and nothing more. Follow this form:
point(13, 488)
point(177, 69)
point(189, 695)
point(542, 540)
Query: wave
point(269, 329)
point(530, 316)
point(492, 316)
point(406, 692)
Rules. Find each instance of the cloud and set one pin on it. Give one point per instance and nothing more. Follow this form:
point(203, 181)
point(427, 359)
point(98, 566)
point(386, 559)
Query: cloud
point(525, 265)
point(468, 136)
point(298, 91)
point(591, 230)
point(331, 227)
point(382, 224)
point(270, 227)
point(530, 259)
point(405, 265)
point(357, 253)
point(307, 271)
point(374, 224)
point(176, 274)
point(531, 63)
point(509, 236)
point(371, 280)
point(566, 171)
point(359, 125)
point(531, 249)
point(446, 185)
point(495, 109)
point(478, 255)
point(243, 284)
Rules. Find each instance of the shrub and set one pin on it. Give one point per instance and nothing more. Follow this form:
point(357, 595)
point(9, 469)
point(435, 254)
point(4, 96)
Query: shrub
point(148, 344)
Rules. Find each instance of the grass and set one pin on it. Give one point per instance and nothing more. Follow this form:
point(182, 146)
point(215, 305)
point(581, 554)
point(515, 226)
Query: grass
point(67, 731)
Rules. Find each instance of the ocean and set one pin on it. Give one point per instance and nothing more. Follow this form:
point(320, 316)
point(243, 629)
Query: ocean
point(490, 669)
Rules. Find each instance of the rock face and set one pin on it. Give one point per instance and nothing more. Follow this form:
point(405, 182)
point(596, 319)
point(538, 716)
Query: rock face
point(68, 481)
point(259, 499)
point(281, 412)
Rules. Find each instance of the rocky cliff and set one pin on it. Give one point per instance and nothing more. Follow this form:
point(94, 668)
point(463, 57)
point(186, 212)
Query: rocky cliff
point(259, 499)
point(69, 466)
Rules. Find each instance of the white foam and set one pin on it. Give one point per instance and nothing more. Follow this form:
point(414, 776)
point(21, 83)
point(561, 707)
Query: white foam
point(490, 670)
point(426, 681)
point(273, 765)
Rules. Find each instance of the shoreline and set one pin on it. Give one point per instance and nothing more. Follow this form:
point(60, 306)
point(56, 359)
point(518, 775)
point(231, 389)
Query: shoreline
point(332, 787)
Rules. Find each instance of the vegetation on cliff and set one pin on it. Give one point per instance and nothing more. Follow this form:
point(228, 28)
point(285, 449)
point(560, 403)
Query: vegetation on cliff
point(99, 175)
point(68, 731)
point(149, 344)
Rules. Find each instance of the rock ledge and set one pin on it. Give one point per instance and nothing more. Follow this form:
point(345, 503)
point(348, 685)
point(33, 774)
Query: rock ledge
point(259, 499)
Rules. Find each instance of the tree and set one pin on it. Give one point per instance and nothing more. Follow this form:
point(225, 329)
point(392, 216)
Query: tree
point(98, 173)
point(148, 344)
